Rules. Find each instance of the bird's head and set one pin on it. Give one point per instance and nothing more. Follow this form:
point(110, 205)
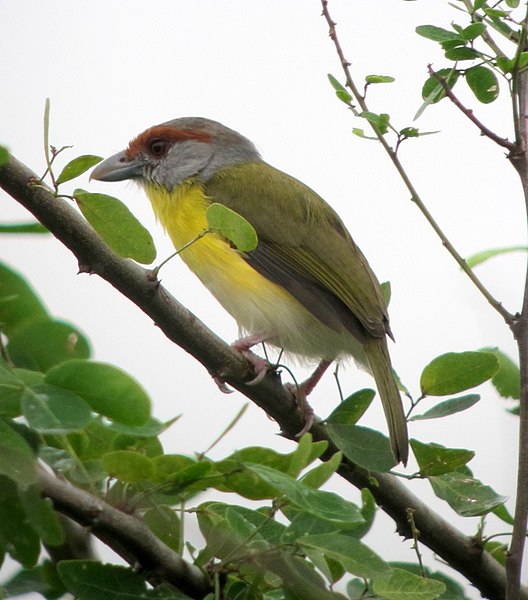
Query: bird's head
point(168, 154)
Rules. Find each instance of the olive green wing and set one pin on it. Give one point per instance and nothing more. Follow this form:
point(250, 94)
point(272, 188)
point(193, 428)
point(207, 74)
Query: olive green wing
point(304, 247)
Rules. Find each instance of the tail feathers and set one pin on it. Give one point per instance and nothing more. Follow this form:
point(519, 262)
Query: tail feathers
point(380, 365)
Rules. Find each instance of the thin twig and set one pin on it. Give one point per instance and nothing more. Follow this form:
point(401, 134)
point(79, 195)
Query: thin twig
point(485, 131)
point(415, 197)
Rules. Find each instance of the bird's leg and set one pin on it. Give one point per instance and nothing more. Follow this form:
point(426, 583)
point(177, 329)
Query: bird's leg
point(304, 389)
point(261, 365)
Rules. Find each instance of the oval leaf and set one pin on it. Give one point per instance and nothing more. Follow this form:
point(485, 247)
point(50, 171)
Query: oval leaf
point(465, 495)
point(232, 226)
point(449, 407)
point(43, 343)
point(483, 83)
point(52, 410)
point(434, 459)
point(18, 300)
point(363, 446)
point(77, 167)
point(357, 558)
point(118, 227)
point(325, 505)
point(379, 79)
point(128, 466)
point(402, 585)
point(437, 34)
point(108, 390)
point(507, 381)
point(17, 460)
point(352, 409)
point(455, 372)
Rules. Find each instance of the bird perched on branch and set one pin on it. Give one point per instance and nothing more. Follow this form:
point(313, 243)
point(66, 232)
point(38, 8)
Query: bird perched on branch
point(306, 288)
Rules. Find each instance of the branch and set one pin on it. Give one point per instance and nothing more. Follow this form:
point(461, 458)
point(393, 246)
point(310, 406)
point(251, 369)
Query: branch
point(125, 534)
point(415, 197)
point(520, 331)
point(182, 327)
point(485, 131)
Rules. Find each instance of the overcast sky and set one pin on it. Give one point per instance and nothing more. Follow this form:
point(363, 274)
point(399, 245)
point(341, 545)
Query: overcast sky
point(114, 68)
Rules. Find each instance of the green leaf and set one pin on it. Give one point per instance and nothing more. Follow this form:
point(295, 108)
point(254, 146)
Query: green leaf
point(52, 410)
point(361, 133)
point(498, 550)
point(480, 257)
point(465, 495)
point(437, 34)
point(402, 585)
point(507, 380)
point(77, 167)
point(232, 226)
point(89, 579)
point(448, 407)
point(31, 227)
point(127, 466)
point(108, 390)
point(457, 371)
point(473, 31)
point(164, 523)
point(453, 590)
point(379, 122)
point(17, 460)
point(352, 409)
point(502, 513)
point(379, 79)
point(478, 4)
point(513, 3)
point(41, 516)
point(357, 558)
point(462, 53)
point(17, 536)
point(409, 132)
point(18, 301)
point(151, 428)
point(483, 83)
point(4, 155)
point(42, 579)
point(42, 343)
point(432, 90)
point(434, 459)
point(341, 92)
point(118, 227)
point(325, 505)
point(322, 472)
point(363, 446)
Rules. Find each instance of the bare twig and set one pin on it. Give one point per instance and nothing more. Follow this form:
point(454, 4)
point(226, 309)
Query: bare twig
point(485, 131)
point(415, 197)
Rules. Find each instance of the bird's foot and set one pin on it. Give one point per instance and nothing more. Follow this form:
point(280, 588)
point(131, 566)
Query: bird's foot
point(301, 398)
point(301, 392)
point(261, 365)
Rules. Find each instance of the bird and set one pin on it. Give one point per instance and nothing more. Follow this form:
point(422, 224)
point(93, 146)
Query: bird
point(306, 288)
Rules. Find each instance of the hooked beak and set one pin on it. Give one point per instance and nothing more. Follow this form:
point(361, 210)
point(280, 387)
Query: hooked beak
point(117, 168)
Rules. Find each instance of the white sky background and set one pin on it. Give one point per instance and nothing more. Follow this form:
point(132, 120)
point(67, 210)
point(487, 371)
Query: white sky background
point(114, 68)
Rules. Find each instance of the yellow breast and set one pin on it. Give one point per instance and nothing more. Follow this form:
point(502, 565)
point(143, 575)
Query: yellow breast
point(258, 305)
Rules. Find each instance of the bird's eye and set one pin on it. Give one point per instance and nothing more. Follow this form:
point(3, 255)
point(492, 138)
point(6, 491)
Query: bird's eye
point(157, 147)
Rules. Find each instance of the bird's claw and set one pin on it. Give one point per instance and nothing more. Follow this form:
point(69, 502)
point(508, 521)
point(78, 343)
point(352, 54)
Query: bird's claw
point(299, 395)
point(221, 384)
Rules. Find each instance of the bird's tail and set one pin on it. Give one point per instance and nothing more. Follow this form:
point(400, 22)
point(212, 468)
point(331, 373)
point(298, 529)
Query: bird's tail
point(380, 365)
